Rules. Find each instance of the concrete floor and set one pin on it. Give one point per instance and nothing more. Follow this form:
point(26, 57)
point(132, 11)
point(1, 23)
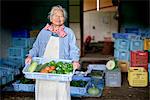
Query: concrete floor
point(125, 92)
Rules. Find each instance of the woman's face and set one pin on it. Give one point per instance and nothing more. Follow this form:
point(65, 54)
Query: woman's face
point(58, 18)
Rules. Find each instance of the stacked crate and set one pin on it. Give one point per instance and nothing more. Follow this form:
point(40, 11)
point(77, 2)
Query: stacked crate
point(137, 74)
point(121, 52)
point(8, 71)
point(124, 44)
point(21, 44)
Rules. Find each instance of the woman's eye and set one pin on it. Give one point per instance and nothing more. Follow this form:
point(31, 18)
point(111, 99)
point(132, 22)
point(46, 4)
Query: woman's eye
point(58, 16)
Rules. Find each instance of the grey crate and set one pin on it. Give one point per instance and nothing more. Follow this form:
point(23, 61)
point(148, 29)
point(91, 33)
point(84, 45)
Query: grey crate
point(113, 78)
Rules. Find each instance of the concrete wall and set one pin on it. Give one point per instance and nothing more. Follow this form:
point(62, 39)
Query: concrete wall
point(99, 24)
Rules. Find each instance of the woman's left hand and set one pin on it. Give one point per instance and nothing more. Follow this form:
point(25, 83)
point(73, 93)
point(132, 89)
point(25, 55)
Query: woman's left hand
point(76, 65)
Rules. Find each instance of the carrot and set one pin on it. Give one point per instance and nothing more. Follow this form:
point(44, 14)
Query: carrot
point(52, 67)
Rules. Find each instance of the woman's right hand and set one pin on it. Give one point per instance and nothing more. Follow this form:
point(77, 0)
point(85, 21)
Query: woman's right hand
point(28, 60)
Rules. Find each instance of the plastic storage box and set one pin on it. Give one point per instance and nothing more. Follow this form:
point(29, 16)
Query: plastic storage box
point(113, 78)
point(139, 58)
point(122, 44)
point(96, 67)
point(17, 52)
point(146, 44)
point(20, 42)
point(132, 30)
point(129, 36)
point(14, 61)
point(47, 76)
point(21, 33)
point(79, 90)
point(122, 55)
point(23, 87)
point(136, 45)
point(137, 77)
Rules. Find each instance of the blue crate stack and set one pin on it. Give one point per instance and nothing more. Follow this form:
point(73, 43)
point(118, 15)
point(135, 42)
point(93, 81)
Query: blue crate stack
point(126, 42)
point(10, 66)
point(21, 44)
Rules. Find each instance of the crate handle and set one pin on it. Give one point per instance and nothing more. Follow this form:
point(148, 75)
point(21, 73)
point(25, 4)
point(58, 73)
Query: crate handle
point(142, 54)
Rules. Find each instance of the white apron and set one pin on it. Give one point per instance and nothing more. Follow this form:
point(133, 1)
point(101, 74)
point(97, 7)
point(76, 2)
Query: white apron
point(52, 90)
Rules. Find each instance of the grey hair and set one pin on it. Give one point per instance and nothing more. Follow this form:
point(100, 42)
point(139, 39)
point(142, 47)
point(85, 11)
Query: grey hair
point(51, 13)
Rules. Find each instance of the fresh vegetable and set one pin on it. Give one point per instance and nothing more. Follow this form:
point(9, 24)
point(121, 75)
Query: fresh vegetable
point(67, 68)
point(110, 65)
point(53, 67)
point(52, 63)
point(96, 73)
point(44, 66)
point(38, 68)
point(94, 91)
point(33, 66)
point(26, 81)
point(79, 83)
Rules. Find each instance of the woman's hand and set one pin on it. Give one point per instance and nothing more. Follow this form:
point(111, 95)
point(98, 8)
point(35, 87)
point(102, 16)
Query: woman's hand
point(28, 60)
point(76, 65)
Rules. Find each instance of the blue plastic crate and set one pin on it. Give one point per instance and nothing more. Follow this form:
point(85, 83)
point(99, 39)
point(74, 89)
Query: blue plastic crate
point(17, 62)
point(11, 62)
point(3, 80)
point(4, 72)
point(5, 76)
point(17, 52)
point(122, 44)
point(21, 33)
point(79, 90)
point(136, 45)
point(15, 71)
point(126, 36)
point(20, 42)
point(122, 55)
point(132, 30)
point(120, 35)
point(23, 87)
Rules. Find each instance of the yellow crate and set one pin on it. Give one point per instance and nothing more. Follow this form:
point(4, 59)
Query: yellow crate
point(146, 44)
point(34, 33)
point(137, 77)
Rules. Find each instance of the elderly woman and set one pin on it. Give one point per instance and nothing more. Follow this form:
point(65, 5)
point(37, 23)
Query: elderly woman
point(55, 40)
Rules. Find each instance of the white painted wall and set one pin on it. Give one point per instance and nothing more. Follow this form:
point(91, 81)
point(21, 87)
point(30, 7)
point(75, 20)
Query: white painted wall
point(104, 24)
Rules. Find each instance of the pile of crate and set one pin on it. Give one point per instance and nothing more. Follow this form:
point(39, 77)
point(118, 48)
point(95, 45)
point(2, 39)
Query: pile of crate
point(21, 43)
point(7, 72)
point(125, 43)
point(132, 57)
point(138, 72)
